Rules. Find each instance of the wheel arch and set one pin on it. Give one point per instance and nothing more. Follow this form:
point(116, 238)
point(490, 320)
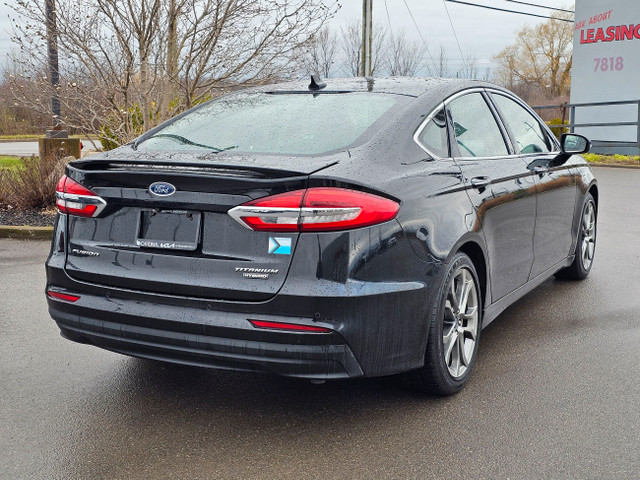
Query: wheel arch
point(477, 255)
point(593, 190)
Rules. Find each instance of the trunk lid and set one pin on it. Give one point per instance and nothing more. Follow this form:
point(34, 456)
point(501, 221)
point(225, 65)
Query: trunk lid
point(183, 243)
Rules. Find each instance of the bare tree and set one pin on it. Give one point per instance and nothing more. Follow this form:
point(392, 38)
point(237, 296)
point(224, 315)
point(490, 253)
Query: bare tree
point(15, 118)
point(126, 66)
point(469, 67)
point(404, 57)
point(487, 76)
point(323, 48)
point(442, 67)
point(352, 46)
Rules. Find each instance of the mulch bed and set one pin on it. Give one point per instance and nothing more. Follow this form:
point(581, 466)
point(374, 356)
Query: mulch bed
point(32, 217)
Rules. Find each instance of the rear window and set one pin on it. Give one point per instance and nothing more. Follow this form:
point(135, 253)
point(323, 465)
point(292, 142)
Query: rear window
point(294, 124)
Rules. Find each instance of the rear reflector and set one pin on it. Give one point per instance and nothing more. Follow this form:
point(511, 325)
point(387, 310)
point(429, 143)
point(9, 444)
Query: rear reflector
point(317, 209)
point(62, 296)
point(288, 326)
point(74, 199)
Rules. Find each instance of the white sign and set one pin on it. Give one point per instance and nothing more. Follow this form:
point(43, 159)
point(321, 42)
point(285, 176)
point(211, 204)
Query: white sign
point(606, 66)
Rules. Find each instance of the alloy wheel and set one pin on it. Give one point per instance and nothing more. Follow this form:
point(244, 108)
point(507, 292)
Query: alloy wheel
point(460, 330)
point(588, 235)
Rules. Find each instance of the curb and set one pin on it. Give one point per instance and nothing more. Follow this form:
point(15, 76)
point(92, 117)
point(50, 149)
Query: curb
point(612, 165)
point(26, 232)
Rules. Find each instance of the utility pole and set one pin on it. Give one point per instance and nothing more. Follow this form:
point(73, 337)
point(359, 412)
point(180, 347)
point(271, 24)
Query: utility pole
point(367, 38)
point(52, 52)
point(56, 144)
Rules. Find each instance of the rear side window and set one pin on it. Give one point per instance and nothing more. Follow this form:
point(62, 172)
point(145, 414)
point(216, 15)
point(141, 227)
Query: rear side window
point(434, 135)
point(528, 134)
point(293, 124)
point(476, 131)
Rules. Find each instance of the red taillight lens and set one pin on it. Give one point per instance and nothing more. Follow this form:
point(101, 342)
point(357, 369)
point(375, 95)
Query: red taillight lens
point(288, 326)
point(74, 199)
point(62, 296)
point(317, 209)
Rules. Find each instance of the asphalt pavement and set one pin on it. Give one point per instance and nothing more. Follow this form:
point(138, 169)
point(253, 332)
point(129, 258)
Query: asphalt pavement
point(555, 393)
point(28, 148)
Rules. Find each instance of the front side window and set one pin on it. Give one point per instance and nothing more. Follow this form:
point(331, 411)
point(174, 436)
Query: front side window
point(434, 135)
point(528, 134)
point(476, 131)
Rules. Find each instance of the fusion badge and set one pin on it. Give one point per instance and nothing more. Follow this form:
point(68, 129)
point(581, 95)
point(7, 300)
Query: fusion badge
point(280, 245)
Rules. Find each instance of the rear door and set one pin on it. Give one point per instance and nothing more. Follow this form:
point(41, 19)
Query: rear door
point(501, 188)
point(182, 243)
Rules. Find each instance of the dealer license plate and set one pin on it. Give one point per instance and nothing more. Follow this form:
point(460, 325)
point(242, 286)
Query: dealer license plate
point(169, 229)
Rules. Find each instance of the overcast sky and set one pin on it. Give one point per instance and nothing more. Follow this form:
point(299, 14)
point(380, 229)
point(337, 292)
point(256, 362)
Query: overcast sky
point(482, 33)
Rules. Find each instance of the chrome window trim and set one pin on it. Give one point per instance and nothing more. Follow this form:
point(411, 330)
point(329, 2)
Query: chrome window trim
point(497, 118)
point(543, 125)
point(423, 125)
point(499, 121)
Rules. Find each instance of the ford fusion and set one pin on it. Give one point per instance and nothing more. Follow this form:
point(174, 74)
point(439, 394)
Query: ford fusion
point(323, 231)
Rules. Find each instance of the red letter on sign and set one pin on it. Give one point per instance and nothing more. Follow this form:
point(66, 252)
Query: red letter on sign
point(611, 34)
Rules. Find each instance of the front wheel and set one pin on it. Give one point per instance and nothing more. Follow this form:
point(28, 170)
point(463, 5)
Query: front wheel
point(586, 244)
point(454, 332)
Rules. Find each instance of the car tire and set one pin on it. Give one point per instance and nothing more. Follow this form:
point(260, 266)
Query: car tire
point(586, 244)
point(452, 344)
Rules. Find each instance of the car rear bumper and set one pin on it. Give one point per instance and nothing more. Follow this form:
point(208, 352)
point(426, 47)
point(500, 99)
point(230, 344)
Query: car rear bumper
point(308, 355)
point(364, 341)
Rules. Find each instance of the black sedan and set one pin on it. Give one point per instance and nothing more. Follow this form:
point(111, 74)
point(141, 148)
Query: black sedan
point(358, 228)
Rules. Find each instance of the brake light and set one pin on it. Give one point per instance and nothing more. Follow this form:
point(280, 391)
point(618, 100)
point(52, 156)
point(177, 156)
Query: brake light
point(317, 209)
point(62, 296)
point(74, 199)
point(288, 326)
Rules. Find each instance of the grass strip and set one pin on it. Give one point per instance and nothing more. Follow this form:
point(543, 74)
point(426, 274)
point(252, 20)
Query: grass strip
point(9, 161)
point(596, 159)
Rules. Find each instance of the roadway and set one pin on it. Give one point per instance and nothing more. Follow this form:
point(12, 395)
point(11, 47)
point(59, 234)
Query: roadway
point(28, 148)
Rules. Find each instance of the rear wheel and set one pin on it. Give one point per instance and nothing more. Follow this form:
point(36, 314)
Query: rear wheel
point(454, 332)
point(586, 244)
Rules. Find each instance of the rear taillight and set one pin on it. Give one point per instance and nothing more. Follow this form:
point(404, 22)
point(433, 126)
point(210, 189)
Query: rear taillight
point(317, 209)
point(74, 199)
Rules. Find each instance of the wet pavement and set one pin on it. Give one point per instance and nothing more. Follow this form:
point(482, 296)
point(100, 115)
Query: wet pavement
point(29, 147)
point(555, 393)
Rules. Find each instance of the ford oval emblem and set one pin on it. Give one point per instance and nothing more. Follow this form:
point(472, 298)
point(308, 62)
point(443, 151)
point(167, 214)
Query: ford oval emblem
point(162, 189)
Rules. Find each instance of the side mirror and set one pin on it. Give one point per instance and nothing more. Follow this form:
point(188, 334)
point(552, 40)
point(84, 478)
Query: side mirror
point(572, 143)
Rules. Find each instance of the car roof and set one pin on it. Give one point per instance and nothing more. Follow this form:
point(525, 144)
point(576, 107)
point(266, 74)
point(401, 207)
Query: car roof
point(410, 86)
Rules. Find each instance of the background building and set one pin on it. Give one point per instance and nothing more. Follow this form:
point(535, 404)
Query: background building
point(606, 68)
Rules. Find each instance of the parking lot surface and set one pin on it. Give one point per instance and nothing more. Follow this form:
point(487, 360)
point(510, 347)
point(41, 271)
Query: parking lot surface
point(555, 393)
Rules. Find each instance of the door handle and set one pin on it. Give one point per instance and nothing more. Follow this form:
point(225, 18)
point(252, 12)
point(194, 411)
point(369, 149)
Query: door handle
point(480, 182)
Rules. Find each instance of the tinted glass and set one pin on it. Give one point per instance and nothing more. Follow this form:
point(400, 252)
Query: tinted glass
point(275, 123)
point(434, 135)
point(529, 136)
point(476, 130)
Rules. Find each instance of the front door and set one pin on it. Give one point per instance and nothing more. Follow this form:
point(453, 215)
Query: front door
point(555, 184)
